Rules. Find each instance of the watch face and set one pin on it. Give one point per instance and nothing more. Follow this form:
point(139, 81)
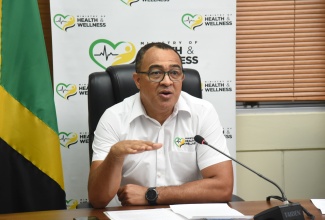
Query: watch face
point(151, 194)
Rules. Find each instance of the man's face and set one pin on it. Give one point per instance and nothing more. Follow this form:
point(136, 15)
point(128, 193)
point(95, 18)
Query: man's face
point(158, 97)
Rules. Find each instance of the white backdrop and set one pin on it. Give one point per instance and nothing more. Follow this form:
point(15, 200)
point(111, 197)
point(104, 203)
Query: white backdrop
point(89, 36)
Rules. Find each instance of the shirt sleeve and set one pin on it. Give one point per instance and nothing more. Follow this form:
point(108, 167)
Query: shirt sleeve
point(212, 131)
point(104, 136)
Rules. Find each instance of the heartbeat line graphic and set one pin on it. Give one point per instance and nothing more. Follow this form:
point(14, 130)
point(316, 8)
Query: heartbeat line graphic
point(189, 20)
point(63, 90)
point(104, 53)
point(61, 21)
point(64, 139)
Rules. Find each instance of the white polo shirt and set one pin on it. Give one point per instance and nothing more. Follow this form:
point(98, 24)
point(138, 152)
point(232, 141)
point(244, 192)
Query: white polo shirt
point(180, 159)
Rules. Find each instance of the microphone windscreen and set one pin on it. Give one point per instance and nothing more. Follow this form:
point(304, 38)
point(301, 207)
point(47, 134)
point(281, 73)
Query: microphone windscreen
point(199, 139)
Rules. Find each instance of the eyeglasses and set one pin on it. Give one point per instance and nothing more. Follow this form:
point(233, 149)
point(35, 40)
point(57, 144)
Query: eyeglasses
point(158, 75)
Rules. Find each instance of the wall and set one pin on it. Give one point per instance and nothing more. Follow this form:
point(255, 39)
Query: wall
point(286, 146)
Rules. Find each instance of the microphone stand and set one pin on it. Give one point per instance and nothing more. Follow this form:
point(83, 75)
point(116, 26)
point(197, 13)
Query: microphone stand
point(287, 211)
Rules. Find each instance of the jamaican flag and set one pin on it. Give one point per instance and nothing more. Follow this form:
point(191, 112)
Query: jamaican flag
point(31, 176)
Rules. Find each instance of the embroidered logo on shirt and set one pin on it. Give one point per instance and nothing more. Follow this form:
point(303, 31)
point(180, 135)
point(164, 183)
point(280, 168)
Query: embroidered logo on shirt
point(179, 141)
point(184, 141)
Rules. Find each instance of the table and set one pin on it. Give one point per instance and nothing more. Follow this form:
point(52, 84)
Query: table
point(247, 208)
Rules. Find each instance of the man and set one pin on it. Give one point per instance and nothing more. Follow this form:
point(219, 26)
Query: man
point(144, 151)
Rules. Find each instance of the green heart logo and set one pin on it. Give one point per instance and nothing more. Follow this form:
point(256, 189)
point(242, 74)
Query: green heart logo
point(66, 91)
point(129, 2)
point(179, 141)
point(68, 139)
point(71, 203)
point(105, 53)
point(192, 21)
point(64, 22)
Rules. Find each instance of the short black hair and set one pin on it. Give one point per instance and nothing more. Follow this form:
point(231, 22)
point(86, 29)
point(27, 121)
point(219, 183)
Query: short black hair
point(143, 50)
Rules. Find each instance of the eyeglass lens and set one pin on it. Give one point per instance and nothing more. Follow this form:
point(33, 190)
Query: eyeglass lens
point(158, 75)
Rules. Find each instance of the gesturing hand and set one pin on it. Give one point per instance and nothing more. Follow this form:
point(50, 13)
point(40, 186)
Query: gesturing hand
point(131, 194)
point(123, 148)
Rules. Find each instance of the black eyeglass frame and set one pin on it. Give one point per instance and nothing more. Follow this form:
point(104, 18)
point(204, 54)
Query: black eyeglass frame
point(165, 72)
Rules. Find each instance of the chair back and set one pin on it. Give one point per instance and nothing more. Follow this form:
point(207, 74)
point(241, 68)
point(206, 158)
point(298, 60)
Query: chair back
point(108, 88)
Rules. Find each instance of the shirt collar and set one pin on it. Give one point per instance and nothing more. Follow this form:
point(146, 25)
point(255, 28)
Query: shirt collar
point(181, 105)
point(138, 109)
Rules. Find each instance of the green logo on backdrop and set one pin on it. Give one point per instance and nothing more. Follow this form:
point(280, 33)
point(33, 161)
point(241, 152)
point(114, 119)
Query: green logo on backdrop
point(192, 21)
point(105, 53)
point(64, 22)
point(66, 90)
point(129, 2)
point(68, 139)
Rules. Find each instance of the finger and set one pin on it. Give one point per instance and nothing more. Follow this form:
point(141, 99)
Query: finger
point(133, 147)
point(157, 145)
point(120, 194)
point(149, 143)
point(149, 146)
point(139, 148)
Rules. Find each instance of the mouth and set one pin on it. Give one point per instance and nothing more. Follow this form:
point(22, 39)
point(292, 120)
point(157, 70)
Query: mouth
point(165, 93)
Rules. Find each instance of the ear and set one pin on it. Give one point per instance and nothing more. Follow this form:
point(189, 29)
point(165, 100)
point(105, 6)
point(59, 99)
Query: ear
point(136, 79)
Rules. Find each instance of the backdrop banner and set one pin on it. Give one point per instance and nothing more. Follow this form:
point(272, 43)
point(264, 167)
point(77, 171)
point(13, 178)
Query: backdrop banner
point(89, 36)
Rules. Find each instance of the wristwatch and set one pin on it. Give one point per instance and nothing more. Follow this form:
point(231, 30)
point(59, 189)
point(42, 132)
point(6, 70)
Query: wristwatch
point(152, 195)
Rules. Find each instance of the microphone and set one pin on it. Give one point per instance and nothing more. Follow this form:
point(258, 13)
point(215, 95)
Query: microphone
point(287, 211)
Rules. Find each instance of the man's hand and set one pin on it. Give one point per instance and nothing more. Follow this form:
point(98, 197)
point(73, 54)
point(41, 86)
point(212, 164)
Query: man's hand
point(131, 194)
point(123, 148)
point(105, 176)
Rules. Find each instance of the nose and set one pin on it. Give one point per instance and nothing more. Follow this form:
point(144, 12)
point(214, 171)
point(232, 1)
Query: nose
point(166, 80)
